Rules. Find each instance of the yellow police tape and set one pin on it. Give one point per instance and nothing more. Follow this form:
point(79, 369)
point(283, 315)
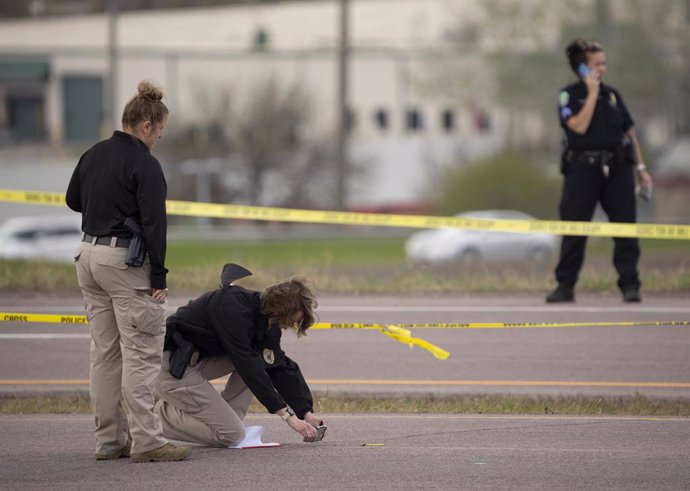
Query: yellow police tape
point(500, 325)
point(43, 318)
point(245, 212)
point(405, 337)
point(397, 331)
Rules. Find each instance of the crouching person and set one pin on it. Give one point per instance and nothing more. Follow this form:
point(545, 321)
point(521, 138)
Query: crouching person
point(234, 331)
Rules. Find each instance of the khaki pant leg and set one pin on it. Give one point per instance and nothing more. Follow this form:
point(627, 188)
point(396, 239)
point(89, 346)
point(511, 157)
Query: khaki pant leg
point(237, 395)
point(141, 324)
point(192, 410)
point(106, 360)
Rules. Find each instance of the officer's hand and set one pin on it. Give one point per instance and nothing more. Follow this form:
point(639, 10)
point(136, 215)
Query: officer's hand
point(646, 181)
point(160, 295)
point(305, 429)
point(314, 420)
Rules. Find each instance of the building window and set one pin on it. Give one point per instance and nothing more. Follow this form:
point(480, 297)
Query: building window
point(26, 117)
point(260, 39)
point(381, 119)
point(448, 120)
point(414, 120)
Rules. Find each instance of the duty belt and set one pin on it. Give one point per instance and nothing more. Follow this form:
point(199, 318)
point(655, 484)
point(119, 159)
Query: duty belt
point(595, 157)
point(106, 240)
point(601, 158)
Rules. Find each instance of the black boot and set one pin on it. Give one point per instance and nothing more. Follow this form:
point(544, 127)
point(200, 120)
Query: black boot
point(561, 294)
point(632, 295)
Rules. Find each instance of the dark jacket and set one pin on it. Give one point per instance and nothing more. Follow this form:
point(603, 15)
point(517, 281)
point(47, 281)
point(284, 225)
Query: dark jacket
point(116, 179)
point(228, 321)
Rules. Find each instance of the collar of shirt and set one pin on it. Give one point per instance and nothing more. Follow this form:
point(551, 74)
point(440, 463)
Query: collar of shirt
point(131, 139)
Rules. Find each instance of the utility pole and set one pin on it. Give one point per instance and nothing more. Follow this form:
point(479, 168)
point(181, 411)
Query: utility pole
point(343, 116)
point(110, 117)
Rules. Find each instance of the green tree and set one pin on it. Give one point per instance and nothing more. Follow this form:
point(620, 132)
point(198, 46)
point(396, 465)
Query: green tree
point(504, 181)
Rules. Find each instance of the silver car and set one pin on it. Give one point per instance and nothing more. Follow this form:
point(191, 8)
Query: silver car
point(447, 245)
point(50, 237)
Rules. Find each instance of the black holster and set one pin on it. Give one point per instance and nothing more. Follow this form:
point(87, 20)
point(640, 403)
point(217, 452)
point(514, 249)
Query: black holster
point(136, 252)
point(183, 355)
point(566, 159)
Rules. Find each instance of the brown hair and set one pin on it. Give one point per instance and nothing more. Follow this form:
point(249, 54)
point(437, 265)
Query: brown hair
point(283, 300)
point(578, 50)
point(147, 105)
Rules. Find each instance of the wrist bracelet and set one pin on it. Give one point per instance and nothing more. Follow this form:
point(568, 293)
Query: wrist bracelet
point(641, 167)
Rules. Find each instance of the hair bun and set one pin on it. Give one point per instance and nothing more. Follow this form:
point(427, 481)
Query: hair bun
point(149, 91)
point(576, 47)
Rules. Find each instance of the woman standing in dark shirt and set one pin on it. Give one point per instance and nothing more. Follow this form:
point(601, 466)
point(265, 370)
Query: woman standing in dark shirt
point(115, 180)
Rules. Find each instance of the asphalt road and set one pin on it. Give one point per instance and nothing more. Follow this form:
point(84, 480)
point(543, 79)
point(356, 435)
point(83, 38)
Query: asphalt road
point(593, 360)
point(417, 452)
point(413, 452)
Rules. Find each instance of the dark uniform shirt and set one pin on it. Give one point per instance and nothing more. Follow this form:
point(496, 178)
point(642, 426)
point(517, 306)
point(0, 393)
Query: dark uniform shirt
point(610, 120)
point(228, 321)
point(116, 179)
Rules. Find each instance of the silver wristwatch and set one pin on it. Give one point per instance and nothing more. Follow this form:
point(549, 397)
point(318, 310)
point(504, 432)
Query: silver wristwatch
point(288, 412)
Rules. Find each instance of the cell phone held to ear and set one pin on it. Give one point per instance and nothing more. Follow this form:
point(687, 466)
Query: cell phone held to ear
point(583, 70)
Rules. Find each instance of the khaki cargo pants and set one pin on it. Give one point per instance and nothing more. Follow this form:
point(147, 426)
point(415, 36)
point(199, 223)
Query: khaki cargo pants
point(192, 410)
point(127, 331)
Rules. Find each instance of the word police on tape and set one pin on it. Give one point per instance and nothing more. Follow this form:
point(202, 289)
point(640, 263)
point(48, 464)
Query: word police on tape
point(43, 318)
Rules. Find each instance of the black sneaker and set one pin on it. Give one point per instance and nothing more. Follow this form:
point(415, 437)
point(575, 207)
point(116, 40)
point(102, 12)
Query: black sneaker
point(561, 294)
point(632, 296)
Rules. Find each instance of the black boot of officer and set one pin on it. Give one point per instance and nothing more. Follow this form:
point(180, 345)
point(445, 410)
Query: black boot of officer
point(561, 294)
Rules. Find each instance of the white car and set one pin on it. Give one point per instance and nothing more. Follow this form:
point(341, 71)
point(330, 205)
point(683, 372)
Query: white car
point(49, 237)
point(447, 245)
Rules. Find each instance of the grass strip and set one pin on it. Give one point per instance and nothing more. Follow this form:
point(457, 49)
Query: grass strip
point(367, 265)
point(488, 404)
point(20, 276)
point(79, 403)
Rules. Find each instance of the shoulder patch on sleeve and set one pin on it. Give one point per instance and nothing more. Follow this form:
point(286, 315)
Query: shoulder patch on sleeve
point(564, 98)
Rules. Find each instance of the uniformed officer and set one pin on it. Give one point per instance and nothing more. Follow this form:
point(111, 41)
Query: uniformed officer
point(235, 332)
point(599, 162)
point(118, 180)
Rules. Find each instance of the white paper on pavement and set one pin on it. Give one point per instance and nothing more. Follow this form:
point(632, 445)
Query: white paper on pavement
point(252, 438)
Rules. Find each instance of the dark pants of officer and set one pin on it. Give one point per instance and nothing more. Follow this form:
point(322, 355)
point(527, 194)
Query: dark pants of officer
point(586, 184)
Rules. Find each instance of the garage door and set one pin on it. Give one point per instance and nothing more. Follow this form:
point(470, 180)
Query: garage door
point(83, 103)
